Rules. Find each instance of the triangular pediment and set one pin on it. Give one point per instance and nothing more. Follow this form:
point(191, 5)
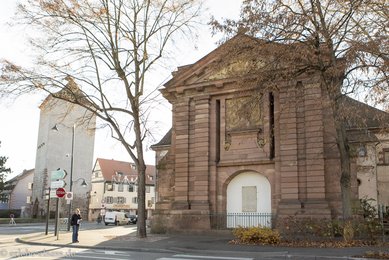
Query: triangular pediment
point(230, 60)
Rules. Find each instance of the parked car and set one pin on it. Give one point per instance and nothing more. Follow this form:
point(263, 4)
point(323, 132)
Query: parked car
point(115, 218)
point(131, 219)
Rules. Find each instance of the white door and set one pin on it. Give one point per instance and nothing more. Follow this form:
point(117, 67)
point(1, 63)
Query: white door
point(249, 201)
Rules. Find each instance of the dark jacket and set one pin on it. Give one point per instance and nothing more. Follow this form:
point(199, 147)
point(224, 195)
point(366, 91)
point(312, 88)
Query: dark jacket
point(74, 219)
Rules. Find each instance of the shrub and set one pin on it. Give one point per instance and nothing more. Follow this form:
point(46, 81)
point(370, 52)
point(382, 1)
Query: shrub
point(311, 229)
point(369, 211)
point(257, 235)
point(5, 213)
point(348, 232)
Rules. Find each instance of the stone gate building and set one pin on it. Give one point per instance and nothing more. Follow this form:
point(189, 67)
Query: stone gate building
point(229, 151)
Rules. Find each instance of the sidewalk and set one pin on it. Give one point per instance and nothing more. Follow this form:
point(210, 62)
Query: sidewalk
point(123, 238)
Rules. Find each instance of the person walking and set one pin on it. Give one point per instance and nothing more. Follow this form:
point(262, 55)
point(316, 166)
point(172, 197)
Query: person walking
point(75, 223)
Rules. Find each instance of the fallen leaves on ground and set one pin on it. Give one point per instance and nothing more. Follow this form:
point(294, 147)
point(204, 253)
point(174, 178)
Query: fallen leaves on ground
point(319, 244)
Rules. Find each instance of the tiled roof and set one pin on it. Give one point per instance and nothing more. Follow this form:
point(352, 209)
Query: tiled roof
point(21, 175)
point(359, 115)
point(110, 168)
point(166, 140)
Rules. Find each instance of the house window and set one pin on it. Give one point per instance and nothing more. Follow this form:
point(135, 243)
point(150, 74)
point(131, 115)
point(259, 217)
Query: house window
point(121, 200)
point(249, 199)
point(148, 189)
point(386, 156)
point(28, 199)
point(109, 200)
point(131, 188)
point(30, 186)
point(108, 187)
point(149, 203)
point(135, 200)
point(362, 151)
point(120, 187)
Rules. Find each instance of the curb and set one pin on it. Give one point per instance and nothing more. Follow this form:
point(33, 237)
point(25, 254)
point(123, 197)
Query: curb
point(175, 250)
point(128, 249)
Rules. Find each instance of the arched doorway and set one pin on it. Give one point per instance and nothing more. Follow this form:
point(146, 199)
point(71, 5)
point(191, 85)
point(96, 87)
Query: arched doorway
point(249, 200)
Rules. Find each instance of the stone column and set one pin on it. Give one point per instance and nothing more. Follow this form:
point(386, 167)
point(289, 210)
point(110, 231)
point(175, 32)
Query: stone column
point(181, 143)
point(200, 172)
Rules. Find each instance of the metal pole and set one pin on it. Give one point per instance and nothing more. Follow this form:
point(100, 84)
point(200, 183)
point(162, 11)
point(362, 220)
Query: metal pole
point(48, 214)
point(56, 217)
point(381, 213)
point(57, 220)
point(71, 175)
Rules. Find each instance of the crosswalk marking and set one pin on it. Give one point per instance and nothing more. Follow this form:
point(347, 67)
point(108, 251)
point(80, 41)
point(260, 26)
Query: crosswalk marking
point(106, 254)
point(187, 257)
point(95, 257)
point(215, 257)
point(170, 258)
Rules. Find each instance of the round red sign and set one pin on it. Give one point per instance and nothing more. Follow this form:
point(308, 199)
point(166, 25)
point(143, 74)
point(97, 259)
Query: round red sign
point(60, 192)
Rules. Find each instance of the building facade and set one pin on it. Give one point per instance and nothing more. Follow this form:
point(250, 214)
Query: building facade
point(65, 141)
point(372, 166)
point(235, 152)
point(17, 194)
point(114, 188)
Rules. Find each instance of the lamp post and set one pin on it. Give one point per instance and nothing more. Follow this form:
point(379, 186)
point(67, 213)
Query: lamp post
point(55, 128)
point(71, 175)
point(47, 194)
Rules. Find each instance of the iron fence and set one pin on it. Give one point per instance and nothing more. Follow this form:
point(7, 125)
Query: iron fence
point(233, 220)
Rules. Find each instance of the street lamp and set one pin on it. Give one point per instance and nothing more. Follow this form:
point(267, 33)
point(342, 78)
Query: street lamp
point(55, 128)
point(83, 184)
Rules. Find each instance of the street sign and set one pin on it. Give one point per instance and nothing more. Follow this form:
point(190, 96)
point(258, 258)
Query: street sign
point(69, 195)
point(57, 175)
point(57, 184)
point(60, 192)
point(53, 193)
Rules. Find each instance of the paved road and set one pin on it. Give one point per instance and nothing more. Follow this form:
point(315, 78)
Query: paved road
point(111, 242)
point(41, 227)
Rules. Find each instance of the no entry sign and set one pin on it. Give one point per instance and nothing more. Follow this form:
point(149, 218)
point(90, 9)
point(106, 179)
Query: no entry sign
point(60, 192)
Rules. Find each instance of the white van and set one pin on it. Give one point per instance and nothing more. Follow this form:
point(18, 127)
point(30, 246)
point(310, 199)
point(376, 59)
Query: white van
point(115, 218)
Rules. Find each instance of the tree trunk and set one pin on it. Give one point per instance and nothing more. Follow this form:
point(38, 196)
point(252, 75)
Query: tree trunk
point(345, 178)
point(141, 224)
point(334, 86)
point(141, 168)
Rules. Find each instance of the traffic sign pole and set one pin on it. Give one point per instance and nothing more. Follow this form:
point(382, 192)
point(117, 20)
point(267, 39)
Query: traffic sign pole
point(60, 193)
point(48, 211)
point(57, 219)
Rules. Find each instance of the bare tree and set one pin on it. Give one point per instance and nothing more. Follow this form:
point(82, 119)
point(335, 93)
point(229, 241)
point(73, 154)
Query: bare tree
point(345, 42)
point(3, 172)
point(107, 51)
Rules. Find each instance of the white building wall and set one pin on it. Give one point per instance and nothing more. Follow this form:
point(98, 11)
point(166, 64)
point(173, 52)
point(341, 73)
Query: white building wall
point(382, 171)
point(54, 150)
point(367, 176)
point(20, 193)
point(236, 215)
